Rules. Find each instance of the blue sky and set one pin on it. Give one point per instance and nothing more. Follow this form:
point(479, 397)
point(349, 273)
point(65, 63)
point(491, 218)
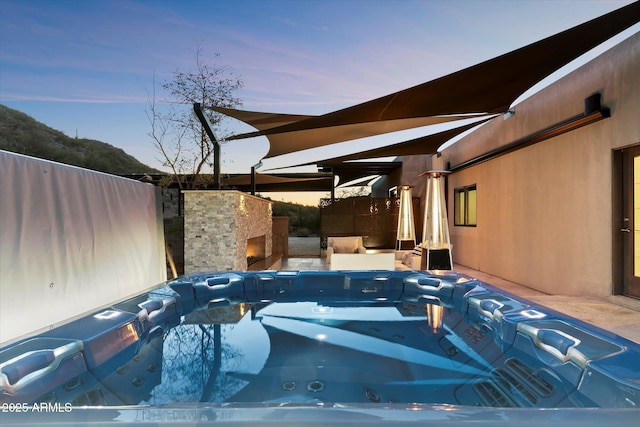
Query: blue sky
point(86, 67)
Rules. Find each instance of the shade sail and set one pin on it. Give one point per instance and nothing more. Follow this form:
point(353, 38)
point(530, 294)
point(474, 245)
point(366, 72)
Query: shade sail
point(245, 179)
point(298, 140)
point(350, 171)
point(428, 144)
point(260, 120)
point(489, 87)
point(360, 183)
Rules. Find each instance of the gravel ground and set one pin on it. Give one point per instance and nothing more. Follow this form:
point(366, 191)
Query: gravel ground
point(304, 246)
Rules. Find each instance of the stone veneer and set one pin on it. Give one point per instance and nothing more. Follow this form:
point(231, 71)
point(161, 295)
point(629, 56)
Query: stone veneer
point(217, 225)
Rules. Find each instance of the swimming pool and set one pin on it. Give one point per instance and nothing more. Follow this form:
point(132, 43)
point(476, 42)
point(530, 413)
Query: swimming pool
point(307, 348)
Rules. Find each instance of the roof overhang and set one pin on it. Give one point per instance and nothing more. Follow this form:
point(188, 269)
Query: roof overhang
point(320, 181)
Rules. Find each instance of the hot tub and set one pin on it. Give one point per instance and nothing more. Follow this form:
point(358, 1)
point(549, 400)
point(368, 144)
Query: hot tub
point(311, 348)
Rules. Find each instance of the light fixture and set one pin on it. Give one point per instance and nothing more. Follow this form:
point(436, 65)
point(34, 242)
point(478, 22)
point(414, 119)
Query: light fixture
point(436, 246)
point(406, 231)
point(510, 113)
point(593, 112)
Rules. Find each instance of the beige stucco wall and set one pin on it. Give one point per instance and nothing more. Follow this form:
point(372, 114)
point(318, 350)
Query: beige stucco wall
point(545, 211)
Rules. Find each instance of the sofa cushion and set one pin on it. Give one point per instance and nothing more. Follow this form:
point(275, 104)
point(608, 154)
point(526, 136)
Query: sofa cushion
point(345, 249)
point(346, 244)
point(379, 261)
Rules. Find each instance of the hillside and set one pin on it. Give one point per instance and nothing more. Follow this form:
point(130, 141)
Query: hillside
point(303, 220)
point(20, 133)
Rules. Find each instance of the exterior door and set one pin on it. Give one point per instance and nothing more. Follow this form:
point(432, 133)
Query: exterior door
point(631, 221)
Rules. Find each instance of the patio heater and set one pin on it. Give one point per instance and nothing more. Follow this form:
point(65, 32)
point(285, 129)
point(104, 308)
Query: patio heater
point(406, 225)
point(436, 247)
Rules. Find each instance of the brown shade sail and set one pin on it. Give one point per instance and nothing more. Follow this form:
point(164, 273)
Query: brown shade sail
point(428, 144)
point(260, 120)
point(245, 179)
point(351, 171)
point(292, 141)
point(488, 87)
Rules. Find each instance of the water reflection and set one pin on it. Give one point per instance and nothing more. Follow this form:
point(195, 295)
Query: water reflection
point(435, 314)
point(197, 354)
point(306, 352)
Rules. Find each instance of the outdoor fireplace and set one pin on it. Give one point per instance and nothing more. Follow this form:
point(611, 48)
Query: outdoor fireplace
point(256, 249)
point(222, 229)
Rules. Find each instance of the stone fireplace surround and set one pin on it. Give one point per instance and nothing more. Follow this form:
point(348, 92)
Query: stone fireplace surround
point(217, 227)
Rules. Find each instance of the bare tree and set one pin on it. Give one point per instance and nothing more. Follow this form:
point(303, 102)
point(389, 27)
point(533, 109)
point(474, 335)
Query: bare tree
point(177, 134)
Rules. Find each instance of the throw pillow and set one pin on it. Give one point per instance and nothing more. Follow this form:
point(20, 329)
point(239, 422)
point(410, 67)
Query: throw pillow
point(406, 259)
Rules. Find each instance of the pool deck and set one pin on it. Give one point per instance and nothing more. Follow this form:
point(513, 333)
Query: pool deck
point(617, 314)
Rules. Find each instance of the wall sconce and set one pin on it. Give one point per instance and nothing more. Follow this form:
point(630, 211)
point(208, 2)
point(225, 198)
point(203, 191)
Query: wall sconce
point(436, 246)
point(406, 225)
point(510, 113)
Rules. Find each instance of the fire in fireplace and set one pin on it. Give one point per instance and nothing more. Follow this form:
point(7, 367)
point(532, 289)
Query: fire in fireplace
point(256, 249)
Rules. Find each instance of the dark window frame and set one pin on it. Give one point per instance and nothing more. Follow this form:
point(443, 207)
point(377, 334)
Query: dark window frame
point(465, 192)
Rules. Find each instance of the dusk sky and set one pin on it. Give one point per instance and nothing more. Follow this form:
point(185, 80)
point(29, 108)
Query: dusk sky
point(87, 67)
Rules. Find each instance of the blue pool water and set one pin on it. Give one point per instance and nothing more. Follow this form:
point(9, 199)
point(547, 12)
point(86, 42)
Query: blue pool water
point(378, 347)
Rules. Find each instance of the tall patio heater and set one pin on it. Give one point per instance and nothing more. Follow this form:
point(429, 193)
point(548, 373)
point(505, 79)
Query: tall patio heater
point(436, 246)
point(406, 225)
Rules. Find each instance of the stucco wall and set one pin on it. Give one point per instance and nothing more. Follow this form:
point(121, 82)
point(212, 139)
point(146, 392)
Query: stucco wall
point(217, 225)
point(545, 212)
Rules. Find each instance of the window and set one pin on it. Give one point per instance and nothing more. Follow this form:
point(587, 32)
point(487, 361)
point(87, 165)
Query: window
point(465, 199)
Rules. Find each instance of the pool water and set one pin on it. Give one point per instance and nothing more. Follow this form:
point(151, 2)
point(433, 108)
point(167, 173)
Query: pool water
point(305, 352)
point(323, 338)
